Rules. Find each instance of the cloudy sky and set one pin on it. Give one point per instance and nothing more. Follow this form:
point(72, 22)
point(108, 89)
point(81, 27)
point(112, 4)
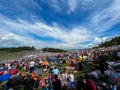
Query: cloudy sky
point(65, 24)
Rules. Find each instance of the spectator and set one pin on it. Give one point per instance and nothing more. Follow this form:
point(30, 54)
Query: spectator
point(94, 74)
point(57, 83)
point(109, 76)
point(55, 71)
point(89, 85)
point(71, 80)
point(32, 65)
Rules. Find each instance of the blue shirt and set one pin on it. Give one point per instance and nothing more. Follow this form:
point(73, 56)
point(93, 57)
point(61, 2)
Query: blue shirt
point(55, 71)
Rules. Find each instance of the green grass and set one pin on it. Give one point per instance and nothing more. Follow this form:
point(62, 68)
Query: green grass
point(86, 68)
point(109, 57)
point(5, 55)
point(64, 65)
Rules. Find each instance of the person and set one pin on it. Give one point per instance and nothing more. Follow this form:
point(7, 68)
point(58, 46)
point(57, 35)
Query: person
point(28, 82)
point(4, 79)
point(93, 74)
point(56, 71)
point(72, 64)
point(79, 83)
point(44, 88)
point(80, 58)
point(98, 72)
point(38, 71)
point(32, 65)
point(80, 66)
point(57, 83)
point(89, 85)
point(71, 80)
point(63, 78)
point(45, 64)
point(110, 76)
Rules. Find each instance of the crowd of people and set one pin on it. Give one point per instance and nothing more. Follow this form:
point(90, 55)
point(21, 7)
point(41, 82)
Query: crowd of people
point(29, 72)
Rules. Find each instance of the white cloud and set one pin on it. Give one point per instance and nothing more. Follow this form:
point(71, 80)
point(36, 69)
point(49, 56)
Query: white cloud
point(72, 6)
point(56, 5)
point(106, 18)
point(53, 4)
point(19, 31)
point(99, 40)
point(63, 6)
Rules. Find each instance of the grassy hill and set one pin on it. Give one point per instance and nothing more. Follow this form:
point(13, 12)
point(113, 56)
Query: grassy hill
point(6, 55)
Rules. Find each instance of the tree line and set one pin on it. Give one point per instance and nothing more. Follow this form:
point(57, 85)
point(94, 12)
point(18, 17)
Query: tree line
point(16, 49)
point(113, 42)
point(52, 50)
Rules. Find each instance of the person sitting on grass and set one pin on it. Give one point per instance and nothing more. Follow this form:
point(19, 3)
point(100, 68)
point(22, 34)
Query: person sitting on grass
point(89, 85)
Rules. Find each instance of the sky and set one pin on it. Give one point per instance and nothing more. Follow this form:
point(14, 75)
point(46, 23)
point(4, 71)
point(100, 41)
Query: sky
point(64, 24)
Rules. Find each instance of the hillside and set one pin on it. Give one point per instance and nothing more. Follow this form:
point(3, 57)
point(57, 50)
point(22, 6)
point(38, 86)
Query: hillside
point(6, 55)
point(113, 42)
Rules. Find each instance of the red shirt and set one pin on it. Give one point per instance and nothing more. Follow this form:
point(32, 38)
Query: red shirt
point(89, 85)
point(52, 78)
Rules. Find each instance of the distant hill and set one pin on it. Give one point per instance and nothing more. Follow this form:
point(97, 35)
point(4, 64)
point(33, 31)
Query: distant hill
point(16, 49)
point(52, 50)
point(6, 55)
point(113, 42)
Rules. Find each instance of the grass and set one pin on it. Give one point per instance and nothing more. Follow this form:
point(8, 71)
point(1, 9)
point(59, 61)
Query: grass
point(109, 57)
point(64, 65)
point(86, 68)
point(6, 55)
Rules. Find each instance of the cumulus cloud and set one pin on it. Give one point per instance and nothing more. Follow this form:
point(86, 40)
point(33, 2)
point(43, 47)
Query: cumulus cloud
point(23, 32)
point(33, 32)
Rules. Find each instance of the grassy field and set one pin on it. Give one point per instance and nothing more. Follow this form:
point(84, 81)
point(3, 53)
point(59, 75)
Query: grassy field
point(5, 55)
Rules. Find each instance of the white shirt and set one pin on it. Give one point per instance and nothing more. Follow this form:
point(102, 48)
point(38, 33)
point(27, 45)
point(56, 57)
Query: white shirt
point(32, 64)
point(71, 78)
point(64, 75)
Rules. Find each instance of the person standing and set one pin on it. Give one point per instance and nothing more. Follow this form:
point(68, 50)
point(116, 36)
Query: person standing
point(32, 65)
point(71, 80)
point(57, 83)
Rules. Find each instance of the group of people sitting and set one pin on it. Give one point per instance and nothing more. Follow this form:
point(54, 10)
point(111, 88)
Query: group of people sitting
point(31, 77)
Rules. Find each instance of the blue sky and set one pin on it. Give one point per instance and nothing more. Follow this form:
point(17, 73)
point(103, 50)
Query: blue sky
point(65, 24)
